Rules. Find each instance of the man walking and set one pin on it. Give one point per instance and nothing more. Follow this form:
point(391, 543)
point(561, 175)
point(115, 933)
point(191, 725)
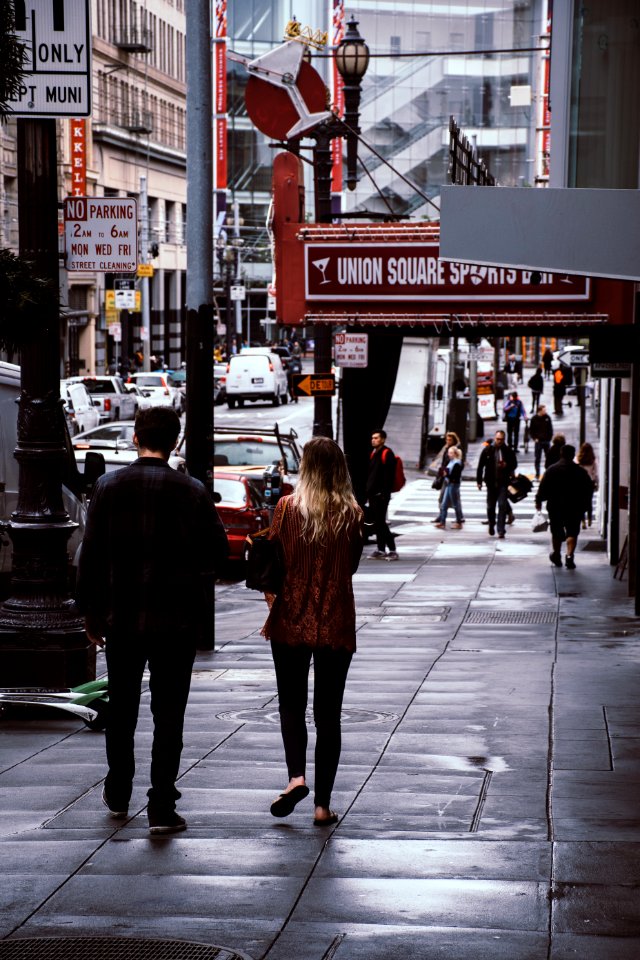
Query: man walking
point(496, 466)
point(382, 468)
point(145, 585)
point(541, 432)
point(568, 489)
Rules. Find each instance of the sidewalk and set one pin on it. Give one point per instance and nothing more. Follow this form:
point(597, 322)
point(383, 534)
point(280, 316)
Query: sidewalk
point(488, 788)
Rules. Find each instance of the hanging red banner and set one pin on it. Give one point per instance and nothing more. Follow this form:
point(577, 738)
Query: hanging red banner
point(221, 95)
point(78, 135)
point(338, 97)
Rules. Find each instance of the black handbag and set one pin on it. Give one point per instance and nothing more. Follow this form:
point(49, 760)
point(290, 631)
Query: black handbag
point(265, 569)
point(438, 483)
point(519, 487)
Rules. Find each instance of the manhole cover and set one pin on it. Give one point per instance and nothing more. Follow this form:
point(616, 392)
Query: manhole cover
point(112, 948)
point(510, 616)
point(349, 715)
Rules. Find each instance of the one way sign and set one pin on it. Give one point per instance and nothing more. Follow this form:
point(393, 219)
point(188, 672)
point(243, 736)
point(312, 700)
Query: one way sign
point(57, 79)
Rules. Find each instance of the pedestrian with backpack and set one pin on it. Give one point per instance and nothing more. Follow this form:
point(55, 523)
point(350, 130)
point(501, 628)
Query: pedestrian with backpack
point(381, 483)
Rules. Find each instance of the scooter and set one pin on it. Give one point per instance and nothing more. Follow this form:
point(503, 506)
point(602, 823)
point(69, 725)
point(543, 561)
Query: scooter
point(89, 701)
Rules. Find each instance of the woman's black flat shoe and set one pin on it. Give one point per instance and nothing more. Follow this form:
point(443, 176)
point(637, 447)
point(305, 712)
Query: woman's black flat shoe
point(283, 805)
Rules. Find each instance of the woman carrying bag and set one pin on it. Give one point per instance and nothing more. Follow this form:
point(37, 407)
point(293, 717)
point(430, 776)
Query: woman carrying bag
point(319, 532)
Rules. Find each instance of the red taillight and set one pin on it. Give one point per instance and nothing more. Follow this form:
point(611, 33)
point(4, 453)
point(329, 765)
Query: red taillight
point(271, 367)
point(107, 404)
point(82, 446)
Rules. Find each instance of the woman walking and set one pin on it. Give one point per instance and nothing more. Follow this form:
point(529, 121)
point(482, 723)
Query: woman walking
point(440, 464)
point(452, 490)
point(319, 529)
point(587, 460)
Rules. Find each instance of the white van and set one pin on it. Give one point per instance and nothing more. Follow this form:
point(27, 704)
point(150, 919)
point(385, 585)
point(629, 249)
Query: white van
point(256, 374)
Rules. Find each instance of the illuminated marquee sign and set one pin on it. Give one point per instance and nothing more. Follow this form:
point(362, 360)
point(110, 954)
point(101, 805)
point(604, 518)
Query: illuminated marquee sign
point(401, 272)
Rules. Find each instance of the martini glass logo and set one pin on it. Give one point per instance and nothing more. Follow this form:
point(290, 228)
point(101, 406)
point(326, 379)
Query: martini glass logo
point(322, 267)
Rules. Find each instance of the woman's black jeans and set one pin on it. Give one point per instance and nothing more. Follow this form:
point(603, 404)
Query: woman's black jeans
point(330, 668)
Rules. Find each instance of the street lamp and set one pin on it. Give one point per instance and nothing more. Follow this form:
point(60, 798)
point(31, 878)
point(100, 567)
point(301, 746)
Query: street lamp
point(352, 60)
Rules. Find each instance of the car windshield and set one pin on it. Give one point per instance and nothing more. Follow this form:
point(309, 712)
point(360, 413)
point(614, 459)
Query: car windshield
point(99, 386)
point(149, 381)
point(111, 432)
point(232, 492)
point(251, 453)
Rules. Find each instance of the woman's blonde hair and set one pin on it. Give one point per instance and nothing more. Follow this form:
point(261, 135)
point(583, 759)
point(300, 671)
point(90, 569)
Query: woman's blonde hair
point(324, 494)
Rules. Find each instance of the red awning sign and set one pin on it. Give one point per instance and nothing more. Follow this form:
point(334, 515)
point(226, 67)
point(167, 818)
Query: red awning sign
point(385, 272)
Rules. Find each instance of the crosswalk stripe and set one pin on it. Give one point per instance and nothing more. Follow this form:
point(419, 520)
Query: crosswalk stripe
point(418, 502)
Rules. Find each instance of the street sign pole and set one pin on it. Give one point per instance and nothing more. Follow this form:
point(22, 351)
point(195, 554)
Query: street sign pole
point(42, 638)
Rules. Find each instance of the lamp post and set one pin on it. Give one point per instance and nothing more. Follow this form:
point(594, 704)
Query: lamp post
point(352, 60)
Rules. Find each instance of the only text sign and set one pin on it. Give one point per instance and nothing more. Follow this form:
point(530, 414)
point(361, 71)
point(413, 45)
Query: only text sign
point(101, 234)
point(57, 78)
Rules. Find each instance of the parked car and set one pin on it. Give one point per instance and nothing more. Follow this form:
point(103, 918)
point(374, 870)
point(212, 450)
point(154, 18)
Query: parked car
point(241, 508)
point(143, 402)
point(219, 382)
point(256, 450)
point(157, 388)
point(115, 442)
point(80, 411)
point(256, 374)
point(110, 395)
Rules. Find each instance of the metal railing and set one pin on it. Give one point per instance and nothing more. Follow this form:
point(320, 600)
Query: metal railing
point(464, 166)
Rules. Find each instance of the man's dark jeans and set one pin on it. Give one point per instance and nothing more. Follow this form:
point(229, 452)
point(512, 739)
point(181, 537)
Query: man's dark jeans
point(379, 504)
point(170, 662)
point(497, 497)
point(541, 446)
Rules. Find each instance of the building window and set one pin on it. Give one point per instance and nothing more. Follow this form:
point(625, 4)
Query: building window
point(394, 45)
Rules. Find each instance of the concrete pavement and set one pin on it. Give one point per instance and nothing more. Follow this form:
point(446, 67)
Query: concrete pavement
point(488, 788)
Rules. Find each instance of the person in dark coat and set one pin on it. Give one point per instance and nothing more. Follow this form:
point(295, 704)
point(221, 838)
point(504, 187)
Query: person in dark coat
point(382, 468)
point(541, 432)
point(553, 455)
point(496, 466)
point(567, 489)
point(547, 361)
point(536, 385)
point(145, 585)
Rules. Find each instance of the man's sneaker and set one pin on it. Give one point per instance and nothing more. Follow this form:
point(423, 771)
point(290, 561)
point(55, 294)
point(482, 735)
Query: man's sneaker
point(119, 811)
point(167, 822)
point(570, 562)
point(377, 555)
point(556, 559)
point(392, 555)
point(456, 526)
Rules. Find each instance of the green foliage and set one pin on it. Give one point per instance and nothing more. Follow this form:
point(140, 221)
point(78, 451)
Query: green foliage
point(12, 58)
point(28, 302)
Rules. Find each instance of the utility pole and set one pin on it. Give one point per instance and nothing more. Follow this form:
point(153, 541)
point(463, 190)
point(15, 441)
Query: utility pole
point(42, 637)
point(199, 418)
point(237, 276)
point(144, 281)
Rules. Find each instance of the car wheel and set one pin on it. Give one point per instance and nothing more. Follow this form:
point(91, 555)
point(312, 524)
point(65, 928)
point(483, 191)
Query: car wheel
point(231, 403)
point(284, 398)
point(275, 400)
point(241, 402)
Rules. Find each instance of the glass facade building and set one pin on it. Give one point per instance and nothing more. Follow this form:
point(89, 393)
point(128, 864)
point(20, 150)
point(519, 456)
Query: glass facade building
point(480, 62)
